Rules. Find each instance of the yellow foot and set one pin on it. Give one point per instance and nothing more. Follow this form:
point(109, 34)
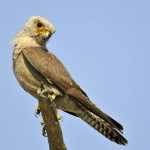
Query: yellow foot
point(37, 110)
point(60, 118)
point(44, 133)
point(42, 123)
point(53, 96)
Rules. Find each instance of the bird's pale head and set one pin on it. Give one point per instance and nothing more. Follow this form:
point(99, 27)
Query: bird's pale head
point(37, 28)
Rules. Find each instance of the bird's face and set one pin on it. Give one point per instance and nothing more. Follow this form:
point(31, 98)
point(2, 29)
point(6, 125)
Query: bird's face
point(39, 28)
point(42, 31)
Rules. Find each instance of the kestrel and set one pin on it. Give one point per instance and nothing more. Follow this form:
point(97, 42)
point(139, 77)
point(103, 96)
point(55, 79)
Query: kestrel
point(33, 64)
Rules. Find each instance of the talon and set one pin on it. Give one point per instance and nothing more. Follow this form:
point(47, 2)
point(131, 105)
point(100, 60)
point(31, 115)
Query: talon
point(42, 123)
point(42, 92)
point(53, 96)
point(60, 118)
point(43, 129)
point(39, 91)
point(44, 133)
point(37, 110)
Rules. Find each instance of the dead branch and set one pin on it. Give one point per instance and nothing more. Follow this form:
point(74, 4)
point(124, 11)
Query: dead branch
point(52, 126)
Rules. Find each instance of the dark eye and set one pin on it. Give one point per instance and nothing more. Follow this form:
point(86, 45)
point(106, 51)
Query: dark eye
point(39, 25)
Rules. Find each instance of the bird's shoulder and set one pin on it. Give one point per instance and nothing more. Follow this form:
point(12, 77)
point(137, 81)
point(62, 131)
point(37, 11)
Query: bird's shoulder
point(50, 67)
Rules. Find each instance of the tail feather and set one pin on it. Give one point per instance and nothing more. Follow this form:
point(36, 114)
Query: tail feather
point(116, 123)
point(101, 126)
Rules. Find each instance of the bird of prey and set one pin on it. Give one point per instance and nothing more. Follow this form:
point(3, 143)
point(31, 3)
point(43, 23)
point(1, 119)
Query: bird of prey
point(33, 64)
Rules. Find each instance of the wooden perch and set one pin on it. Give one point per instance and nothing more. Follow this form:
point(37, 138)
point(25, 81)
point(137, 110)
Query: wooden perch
point(52, 126)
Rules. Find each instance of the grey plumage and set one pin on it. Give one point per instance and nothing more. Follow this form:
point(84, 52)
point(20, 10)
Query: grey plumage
point(33, 63)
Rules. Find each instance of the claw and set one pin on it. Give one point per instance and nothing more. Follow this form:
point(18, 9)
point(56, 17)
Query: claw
point(53, 96)
point(42, 123)
point(60, 118)
point(44, 133)
point(43, 129)
point(37, 110)
point(42, 92)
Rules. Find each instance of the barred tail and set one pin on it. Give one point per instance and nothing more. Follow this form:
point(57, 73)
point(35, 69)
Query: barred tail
point(101, 126)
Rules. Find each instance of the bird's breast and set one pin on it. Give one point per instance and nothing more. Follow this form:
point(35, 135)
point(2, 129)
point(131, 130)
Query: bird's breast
point(27, 76)
point(30, 80)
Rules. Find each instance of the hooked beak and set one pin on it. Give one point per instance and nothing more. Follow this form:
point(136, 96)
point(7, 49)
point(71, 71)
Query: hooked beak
point(46, 34)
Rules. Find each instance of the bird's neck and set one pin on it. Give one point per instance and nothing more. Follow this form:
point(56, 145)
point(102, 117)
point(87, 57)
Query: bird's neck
point(24, 42)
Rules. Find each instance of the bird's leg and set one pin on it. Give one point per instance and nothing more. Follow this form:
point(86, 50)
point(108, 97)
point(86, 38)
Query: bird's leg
point(60, 118)
point(43, 124)
point(40, 92)
point(43, 129)
point(54, 95)
point(37, 110)
point(43, 93)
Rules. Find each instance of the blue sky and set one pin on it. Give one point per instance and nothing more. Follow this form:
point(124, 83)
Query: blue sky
point(105, 45)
